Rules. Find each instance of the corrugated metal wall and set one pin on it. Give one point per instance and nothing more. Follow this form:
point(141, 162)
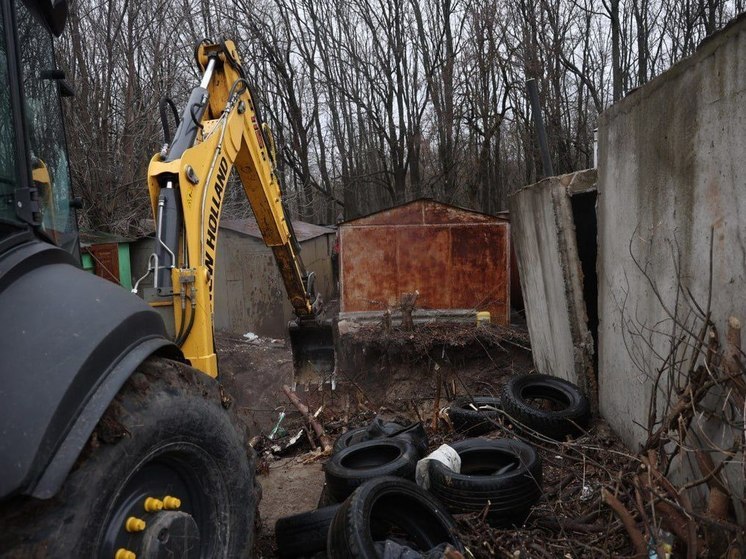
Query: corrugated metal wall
point(455, 258)
point(249, 293)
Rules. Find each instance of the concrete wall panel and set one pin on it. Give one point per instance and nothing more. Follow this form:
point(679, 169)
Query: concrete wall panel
point(552, 279)
point(672, 183)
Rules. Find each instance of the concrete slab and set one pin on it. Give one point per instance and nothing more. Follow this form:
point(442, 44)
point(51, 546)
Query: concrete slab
point(672, 222)
point(544, 235)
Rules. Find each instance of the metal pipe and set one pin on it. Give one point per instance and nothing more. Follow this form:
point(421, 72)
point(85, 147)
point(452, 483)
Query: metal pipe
point(533, 95)
point(595, 148)
point(151, 267)
point(161, 204)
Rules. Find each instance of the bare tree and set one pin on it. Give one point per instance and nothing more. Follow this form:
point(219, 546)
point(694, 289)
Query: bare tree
point(372, 102)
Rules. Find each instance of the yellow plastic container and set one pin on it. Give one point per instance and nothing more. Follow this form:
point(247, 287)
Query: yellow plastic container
point(483, 317)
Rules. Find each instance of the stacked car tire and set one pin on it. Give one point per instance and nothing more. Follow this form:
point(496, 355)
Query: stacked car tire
point(498, 477)
point(536, 405)
point(369, 474)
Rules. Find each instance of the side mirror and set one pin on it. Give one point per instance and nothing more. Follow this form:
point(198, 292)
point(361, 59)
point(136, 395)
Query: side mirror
point(55, 14)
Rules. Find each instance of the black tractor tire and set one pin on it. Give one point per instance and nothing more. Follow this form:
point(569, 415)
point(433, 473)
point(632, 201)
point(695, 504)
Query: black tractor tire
point(571, 416)
point(504, 474)
point(353, 466)
point(376, 507)
point(472, 422)
point(166, 433)
point(304, 534)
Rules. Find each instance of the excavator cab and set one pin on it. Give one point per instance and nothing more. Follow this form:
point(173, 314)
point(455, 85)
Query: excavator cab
point(36, 128)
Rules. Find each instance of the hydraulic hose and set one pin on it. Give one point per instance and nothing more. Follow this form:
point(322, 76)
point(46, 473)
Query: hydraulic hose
point(185, 334)
point(163, 104)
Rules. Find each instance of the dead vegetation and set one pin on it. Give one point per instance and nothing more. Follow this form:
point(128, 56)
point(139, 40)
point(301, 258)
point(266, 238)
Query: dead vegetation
point(600, 499)
point(420, 340)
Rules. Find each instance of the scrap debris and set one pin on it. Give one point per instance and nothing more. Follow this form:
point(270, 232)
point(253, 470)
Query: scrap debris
point(326, 442)
point(599, 499)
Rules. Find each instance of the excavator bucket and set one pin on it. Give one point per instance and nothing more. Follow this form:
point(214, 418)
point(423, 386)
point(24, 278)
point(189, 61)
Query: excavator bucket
point(312, 344)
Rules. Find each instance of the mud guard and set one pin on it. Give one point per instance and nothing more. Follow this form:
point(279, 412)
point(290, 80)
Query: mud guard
point(312, 345)
point(68, 340)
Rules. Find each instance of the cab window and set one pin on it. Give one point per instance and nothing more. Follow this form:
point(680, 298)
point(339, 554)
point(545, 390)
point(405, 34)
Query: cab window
point(48, 149)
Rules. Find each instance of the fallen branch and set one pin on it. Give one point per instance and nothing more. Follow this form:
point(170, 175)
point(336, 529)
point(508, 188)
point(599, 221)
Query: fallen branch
point(326, 442)
point(675, 521)
point(680, 498)
point(732, 361)
point(718, 500)
point(568, 525)
point(627, 521)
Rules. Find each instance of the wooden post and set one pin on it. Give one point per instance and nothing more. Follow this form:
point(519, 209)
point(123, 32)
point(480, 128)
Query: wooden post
point(408, 301)
point(436, 405)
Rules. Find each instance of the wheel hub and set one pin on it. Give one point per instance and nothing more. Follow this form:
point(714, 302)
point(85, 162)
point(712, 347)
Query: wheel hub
point(171, 534)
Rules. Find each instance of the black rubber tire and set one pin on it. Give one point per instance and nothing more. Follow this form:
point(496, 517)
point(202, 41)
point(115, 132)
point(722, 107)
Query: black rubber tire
point(353, 466)
point(304, 534)
point(165, 432)
point(569, 420)
point(369, 513)
point(511, 492)
point(350, 438)
point(415, 434)
point(465, 419)
point(376, 429)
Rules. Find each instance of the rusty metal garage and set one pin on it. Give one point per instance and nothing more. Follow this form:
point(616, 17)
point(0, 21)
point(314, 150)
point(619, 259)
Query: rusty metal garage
point(455, 258)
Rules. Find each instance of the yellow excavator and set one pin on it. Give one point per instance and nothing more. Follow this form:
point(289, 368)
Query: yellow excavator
point(116, 440)
point(221, 129)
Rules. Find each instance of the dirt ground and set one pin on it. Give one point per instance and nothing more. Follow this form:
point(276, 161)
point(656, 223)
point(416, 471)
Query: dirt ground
point(253, 373)
point(397, 378)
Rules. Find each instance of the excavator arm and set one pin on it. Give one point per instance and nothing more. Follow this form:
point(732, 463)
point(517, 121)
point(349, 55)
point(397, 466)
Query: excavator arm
point(221, 129)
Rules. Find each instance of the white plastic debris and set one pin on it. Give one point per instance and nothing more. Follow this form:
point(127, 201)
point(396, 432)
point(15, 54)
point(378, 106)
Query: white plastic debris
point(251, 336)
point(444, 454)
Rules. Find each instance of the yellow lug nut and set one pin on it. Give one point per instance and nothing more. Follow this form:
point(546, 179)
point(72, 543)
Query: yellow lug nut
point(171, 503)
point(124, 554)
point(153, 505)
point(134, 524)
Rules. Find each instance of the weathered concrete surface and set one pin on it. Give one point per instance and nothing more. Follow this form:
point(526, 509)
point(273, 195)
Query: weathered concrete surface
point(552, 278)
point(672, 183)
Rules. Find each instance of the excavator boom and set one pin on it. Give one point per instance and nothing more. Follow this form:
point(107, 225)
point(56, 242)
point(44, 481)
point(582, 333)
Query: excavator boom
point(221, 129)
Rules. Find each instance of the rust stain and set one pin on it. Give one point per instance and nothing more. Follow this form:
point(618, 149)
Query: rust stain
point(105, 258)
point(368, 269)
point(408, 214)
point(480, 269)
point(422, 262)
point(443, 214)
point(423, 211)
